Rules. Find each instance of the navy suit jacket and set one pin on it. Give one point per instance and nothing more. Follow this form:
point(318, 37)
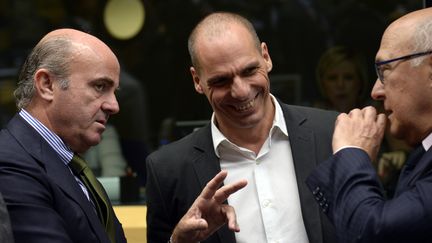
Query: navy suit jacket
point(347, 188)
point(45, 202)
point(177, 173)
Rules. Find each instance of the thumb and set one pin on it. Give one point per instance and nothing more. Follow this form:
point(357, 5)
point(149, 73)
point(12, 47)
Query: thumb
point(198, 224)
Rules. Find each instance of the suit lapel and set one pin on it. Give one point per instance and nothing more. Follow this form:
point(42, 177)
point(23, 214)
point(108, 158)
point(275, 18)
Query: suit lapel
point(422, 166)
point(60, 174)
point(206, 165)
point(302, 146)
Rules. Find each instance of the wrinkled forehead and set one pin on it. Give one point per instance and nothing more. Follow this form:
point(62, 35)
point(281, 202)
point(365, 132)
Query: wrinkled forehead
point(232, 42)
point(396, 41)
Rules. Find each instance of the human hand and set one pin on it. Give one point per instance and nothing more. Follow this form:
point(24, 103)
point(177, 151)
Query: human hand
point(208, 213)
point(360, 128)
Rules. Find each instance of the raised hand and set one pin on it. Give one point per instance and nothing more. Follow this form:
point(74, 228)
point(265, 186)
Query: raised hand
point(208, 213)
point(360, 128)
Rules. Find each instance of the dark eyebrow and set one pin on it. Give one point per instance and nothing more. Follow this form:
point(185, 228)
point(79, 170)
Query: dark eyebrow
point(216, 78)
point(105, 80)
point(253, 64)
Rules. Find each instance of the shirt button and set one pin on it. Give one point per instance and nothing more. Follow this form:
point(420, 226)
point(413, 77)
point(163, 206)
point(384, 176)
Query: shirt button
point(266, 203)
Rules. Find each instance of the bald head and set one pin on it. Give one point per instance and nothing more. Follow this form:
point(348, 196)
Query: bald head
point(404, 75)
point(75, 37)
point(55, 52)
point(217, 25)
point(413, 18)
point(412, 31)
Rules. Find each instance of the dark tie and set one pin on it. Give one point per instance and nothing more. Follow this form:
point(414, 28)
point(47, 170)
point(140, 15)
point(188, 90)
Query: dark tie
point(410, 163)
point(101, 201)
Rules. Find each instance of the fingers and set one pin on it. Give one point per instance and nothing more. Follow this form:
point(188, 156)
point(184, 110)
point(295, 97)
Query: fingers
point(360, 128)
point(355, 113)
point(224, 192)
point(213, 185)
point(212, 190)
point(381, 121)
point(208, 213)
point(369, 114)
point(231, 217)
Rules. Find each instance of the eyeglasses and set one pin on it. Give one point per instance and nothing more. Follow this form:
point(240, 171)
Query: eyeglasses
point(380, 72)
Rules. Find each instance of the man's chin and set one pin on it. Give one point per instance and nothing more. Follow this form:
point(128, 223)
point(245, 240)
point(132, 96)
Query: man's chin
point(250, 122)
point(399, 132)
point(94, 139)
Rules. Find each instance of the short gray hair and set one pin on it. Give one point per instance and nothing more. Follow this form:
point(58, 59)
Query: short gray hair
point(422, 40)
point(52, 54)
point(213, 25)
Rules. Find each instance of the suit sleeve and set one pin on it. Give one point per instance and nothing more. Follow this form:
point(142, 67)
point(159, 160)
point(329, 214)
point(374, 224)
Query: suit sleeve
point(348, 191)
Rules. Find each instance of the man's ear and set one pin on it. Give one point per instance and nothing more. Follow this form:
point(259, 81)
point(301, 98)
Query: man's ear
point(44, 84)
point(196, 81)
point(266, 56)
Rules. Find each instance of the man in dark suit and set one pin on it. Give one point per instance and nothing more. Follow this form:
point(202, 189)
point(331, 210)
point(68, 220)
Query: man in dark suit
point(347, 184)
point(252, 136)
point(65, 95)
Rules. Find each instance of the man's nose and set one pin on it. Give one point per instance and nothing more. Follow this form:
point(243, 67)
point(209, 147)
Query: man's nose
point(239, 88)
point(377, 92)
point(111, 105)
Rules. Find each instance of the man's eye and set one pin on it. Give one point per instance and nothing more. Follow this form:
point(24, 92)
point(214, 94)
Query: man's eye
point(218, 82)
point(250, 71)
point(99, 87)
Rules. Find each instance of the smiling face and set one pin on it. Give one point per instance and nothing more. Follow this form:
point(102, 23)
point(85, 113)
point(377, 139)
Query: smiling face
point(79, 113)
point(233, 75)
point(407, 92)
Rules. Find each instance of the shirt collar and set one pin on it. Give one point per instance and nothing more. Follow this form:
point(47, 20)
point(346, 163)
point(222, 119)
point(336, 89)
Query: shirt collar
point(278, 122)
point(53, 139)
point(427, 142)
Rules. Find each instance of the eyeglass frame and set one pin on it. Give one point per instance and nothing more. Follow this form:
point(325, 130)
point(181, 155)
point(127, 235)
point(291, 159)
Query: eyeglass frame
point(380, 74)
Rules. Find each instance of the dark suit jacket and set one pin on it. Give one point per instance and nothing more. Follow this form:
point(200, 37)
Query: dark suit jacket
point(45, 202)
point(178, 172)
point(5, 227)
point(347, 183)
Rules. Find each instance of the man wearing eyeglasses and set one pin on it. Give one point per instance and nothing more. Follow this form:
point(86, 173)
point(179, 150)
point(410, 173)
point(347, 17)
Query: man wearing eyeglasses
point(348, 183)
